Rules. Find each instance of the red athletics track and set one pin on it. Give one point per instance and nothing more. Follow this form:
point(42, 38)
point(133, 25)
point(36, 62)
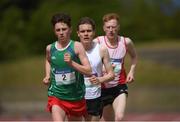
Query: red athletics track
point(128, 117)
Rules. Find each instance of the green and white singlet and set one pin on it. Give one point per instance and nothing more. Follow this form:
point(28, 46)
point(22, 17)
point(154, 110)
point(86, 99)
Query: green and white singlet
point(66, 83)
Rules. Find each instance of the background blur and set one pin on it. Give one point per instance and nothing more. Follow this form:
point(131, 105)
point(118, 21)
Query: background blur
point(153, 25)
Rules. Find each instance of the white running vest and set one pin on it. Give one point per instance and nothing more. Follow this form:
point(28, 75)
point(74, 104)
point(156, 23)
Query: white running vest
point(117, 57)
point(94, 91)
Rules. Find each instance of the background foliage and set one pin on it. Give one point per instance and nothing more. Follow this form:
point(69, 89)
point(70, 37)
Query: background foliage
point(26, 29)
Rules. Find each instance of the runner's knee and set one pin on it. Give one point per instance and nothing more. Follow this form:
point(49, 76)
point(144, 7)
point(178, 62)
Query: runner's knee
point(119, 117)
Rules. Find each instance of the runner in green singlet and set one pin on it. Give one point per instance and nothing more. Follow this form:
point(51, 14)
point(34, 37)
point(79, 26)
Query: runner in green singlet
point(66, 62)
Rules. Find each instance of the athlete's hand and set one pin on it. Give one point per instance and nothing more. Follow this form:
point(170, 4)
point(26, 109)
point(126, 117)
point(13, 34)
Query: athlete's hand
point(46, 80)
point(94, 80)
point(130, 77)
point(67, 58)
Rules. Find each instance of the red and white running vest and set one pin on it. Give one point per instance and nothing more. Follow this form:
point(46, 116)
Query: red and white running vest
point(117, 56)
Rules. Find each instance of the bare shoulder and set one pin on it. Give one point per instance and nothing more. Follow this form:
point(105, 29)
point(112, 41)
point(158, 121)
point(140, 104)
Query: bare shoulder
point(103, 48)
point(95, 40)
point(130, 47)
point(103, 51)
point(98, 39)
point(48, 47)
point(77, 44)
point(128, 40)
point(78, 47)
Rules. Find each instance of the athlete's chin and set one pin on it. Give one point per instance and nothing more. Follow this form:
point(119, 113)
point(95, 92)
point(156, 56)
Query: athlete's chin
point(86, 40)
point(110, 36)
point(62, 39)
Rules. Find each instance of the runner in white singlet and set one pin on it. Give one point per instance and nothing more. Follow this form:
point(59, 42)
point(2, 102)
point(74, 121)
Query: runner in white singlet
point(98, 56)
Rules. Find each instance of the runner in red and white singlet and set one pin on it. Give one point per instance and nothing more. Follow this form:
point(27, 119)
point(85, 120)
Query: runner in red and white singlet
point(117, 55)
point(114, 93)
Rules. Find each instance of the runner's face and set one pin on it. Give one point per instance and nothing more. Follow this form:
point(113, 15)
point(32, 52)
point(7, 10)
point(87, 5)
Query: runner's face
point(111, 29)
point(62, 31)
point(85, 33)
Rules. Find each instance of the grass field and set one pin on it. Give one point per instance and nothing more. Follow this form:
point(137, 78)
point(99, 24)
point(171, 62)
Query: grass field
point(156, 88)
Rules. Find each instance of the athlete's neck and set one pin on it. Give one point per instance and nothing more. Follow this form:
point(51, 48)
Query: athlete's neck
point(62, 44)
point(113, 42)
point(89, 46)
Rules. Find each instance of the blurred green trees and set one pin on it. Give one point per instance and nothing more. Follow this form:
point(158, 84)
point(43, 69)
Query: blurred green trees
point(26, 28)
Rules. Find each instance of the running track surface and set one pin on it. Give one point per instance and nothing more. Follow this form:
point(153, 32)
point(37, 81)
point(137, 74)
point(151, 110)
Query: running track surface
point(128, 117)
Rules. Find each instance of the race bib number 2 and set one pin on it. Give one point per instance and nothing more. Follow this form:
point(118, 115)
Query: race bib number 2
point(65, 78)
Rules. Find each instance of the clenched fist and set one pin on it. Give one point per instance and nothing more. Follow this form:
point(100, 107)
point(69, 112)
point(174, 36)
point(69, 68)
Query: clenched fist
point(67, 58)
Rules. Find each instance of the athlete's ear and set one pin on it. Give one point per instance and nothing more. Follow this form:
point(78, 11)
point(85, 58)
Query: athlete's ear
point(104, 28)
point(77, 33)
point(71, 29)
point(94, 33)
point(118, 27)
